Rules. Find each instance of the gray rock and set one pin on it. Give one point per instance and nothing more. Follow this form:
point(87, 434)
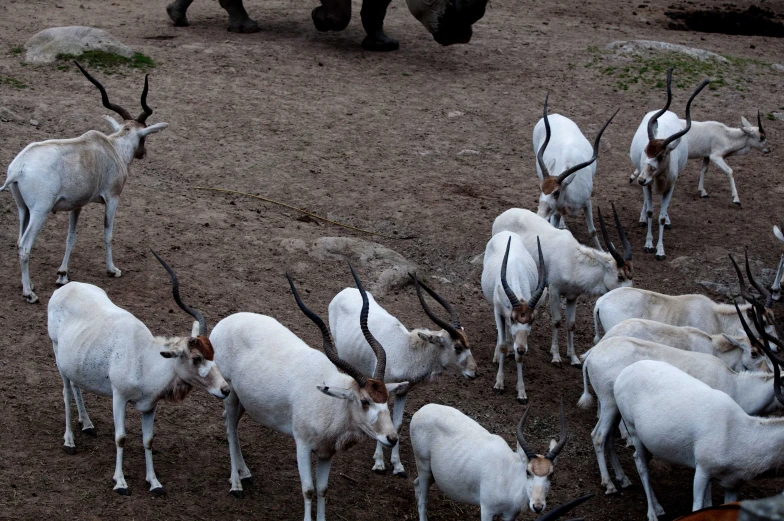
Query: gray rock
point(721, 290)
point(44, 46)
point(468, 152)
point(34, 122)
point(639, 46)
point(779, 67)
point(389, 268)
point(7, 115)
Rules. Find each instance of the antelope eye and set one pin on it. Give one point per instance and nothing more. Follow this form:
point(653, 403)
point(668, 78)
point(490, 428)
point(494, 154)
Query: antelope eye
point(754, 354)
point(365, 403)
point(556, 194)
point(197, 360)
point(528, 473)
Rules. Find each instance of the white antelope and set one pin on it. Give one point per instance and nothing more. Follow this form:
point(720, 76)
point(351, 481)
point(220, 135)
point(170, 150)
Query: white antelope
point(776, 287)
point(472, 466)
point(659, 155)
point(604, 362)
point(714, 141)
point(503, 289)
point(103, 349)
point(565, 169)
point(416, 356)
point(680, 420)
point(697, 311)
point(572, 268)
point(323, 402)
point(67, 174)
point(735, 351)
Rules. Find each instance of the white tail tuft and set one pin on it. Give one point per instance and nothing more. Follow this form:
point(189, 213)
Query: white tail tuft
point(586, 400)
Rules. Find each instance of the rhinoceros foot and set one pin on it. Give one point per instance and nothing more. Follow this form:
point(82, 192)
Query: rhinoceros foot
point(177, 14)
point(380, 42)
point(246, 25)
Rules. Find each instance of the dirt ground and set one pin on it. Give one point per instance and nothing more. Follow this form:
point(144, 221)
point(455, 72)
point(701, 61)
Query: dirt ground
point(311, 119)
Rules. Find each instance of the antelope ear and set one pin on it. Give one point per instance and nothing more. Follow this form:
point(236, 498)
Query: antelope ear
point(337, 392)
point(152, 129)
point(745, 122)
point(195, 329)
point(736, 343)
point(431, 339)
point(399, 388)
point(113, 122)
point(553, 443)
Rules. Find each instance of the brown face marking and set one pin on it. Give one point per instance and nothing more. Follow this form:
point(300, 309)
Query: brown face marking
point(654, 148)
point(461, 342)
point(550, 185)
point(626, 271)
point(376, 390)
point(522, 314)
point(540, 466)
point(203, 345)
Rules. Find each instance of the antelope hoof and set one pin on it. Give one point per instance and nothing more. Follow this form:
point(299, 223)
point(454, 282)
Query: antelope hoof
point(114, 272)
point(247, 479)
point(737, 203)
point(660, 257)
point(610, 490)
point(522, 401)
point(69, 449)
point(648, 250)
point(642, 224)
point(380, 471)
point(556, 363)
point(578, 364)
point(667, 226)
point(158, 491)
point(704, 195)
point(90, 431)
point(626, 482)
point(31, 298)
point(401, 474)
point(498, 390)
point(239, 494)
point(123, 491)
point(62, 278)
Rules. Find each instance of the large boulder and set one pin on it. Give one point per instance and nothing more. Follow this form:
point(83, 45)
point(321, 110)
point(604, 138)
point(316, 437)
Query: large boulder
point(389, 267)
point(44, 46)
point(640, 46)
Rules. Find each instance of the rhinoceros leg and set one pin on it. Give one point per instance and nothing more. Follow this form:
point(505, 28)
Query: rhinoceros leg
point(332, 15)
point(373, 13)
point(239, 21)
point(177, 11)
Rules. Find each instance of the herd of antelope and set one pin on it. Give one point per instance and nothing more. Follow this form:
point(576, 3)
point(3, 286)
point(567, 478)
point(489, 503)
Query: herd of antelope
point(683, 378)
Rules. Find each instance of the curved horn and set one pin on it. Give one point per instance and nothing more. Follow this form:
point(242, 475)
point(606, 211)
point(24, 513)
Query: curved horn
point(627, 248)
point(537, 294)
point(378, 349)
point(759, 124)
point(540, 154)
point(764, 293)
point(569, 171)
point(748, 297)
point(529, 453)
point(105, 97)
point(147, 111)
point(510, 294)
point(607, 242)
point(688, 116)
point(329, 346)
point(768, 352)
point(443, 324)
point(652, 121)
point(562, 510)
point(561, 439)
point(195, 313)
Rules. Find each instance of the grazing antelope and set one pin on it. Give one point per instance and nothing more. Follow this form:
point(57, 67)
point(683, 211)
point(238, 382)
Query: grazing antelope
point(659, 155)
point(565, 169)
point(735, 351)
point(605, 361)
point(103, 349)
point(679, 419)
point(501, 288)
point(68, 174)
point(322, 401)
point(697, 311)
point(572, 268)
point(472, 466)
point(714, 141)
point(416, 356)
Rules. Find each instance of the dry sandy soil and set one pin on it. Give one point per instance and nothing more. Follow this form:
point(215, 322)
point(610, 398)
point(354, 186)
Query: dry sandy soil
point(311, 119)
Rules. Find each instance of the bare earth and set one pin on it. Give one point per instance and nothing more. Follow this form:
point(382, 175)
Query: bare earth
point(311, 119)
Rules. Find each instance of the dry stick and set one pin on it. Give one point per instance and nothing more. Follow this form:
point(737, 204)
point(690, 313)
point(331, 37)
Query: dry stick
point(266, 200)
point(347, 477)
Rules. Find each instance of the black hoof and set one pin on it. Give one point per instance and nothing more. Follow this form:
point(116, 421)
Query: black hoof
point(403, 475)
point(239, 494)
point(380, 472)
point(649, 250)
point(380, 44)
point(577, 366)
point(659, 257)
point(248, 479)
point(704, 196)
point(244, 27)
point(69, 450)
point(557, 364)
point(642, 224)
point(498, 391)
point(158, 491)
point(123, 491)
point(736, 204)
point(90, 432)
point(668, 227)
point(522, 401)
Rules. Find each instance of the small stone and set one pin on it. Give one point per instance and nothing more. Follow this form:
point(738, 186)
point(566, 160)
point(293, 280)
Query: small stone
point(34, 122)
point(454, 114)
point(468, 152)
point(778, 66)
point(7, 115)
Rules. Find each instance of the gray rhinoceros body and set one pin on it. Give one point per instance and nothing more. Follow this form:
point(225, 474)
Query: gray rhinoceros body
point(449, 21)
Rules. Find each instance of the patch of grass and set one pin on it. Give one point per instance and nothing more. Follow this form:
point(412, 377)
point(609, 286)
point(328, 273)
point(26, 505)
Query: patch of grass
point(771, 116)
point(108, 62)
point(12, 82)
point(16, 51)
